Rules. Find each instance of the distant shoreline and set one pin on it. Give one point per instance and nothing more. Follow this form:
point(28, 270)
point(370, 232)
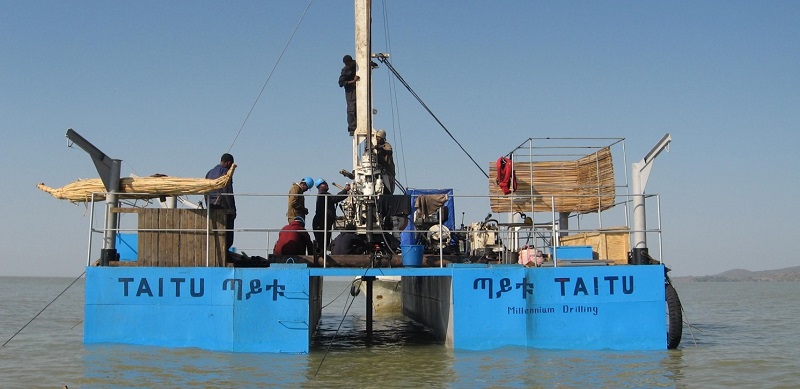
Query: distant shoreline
point(788, 274)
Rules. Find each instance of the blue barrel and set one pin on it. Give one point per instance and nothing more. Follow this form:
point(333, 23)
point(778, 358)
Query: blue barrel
point(412, 255)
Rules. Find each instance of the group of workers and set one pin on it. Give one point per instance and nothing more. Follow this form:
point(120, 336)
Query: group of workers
point(293, 238)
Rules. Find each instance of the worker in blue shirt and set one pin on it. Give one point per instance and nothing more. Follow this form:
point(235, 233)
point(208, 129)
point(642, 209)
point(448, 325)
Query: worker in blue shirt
point(223, 198)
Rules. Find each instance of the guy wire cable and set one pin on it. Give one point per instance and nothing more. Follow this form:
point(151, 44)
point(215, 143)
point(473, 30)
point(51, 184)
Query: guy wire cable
point(45, 307)
point(397, 131)
point(419, 99)
point(269, 77)
point(335, 298)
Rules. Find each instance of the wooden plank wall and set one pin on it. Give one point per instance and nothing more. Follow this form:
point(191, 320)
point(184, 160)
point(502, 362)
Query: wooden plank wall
point(179, 237)
point(581, 186)
point(608, 244)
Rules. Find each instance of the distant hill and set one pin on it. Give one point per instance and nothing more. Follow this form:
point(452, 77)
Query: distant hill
point(785, 274)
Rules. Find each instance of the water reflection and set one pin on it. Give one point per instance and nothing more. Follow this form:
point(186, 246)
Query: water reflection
point(673, 366)
point(524, 367)
point(400, 353)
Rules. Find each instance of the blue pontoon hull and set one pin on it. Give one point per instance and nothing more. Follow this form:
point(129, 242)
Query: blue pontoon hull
point(475, 307)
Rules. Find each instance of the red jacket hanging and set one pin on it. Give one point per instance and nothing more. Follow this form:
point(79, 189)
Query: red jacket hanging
point(506, 178)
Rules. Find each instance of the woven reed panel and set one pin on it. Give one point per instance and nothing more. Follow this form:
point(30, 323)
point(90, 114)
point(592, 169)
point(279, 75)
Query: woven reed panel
point(581, 186)
point(139, 187)
point(166, 247)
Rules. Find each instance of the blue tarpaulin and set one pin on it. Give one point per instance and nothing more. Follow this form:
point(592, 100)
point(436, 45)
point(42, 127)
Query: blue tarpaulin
point(407, 237)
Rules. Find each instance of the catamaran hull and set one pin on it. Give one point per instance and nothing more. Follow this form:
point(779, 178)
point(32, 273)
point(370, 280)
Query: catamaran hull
point(475, 307)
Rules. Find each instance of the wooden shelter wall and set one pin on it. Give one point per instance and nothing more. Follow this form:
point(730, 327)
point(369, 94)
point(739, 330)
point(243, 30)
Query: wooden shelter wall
point(177, 237)
point(608, 244)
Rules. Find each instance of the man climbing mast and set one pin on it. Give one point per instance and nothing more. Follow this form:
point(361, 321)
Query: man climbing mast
point(360, 206)
point(371, 210)
point(348, 80)
point(363, 133)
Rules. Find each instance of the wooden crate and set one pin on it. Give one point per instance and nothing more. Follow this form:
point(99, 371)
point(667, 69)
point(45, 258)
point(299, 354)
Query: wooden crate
point(609, 243)
point(178, 237)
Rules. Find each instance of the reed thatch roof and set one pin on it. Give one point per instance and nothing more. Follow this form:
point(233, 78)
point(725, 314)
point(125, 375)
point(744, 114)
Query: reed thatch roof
point(138, 187)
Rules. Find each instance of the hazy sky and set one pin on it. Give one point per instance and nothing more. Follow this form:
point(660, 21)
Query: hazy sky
point(166, 87)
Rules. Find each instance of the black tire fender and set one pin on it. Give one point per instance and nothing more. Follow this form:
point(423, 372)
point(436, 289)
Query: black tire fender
point(674, 317)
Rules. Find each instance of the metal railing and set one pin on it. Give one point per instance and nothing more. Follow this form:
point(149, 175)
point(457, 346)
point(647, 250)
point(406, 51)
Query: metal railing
point(453, 247)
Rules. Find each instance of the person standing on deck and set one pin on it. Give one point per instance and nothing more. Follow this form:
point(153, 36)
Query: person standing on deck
point(294, 239)
point(297, 202)
point(223, 198)
point(325, 214)
point(347, 80)
point(385, 157)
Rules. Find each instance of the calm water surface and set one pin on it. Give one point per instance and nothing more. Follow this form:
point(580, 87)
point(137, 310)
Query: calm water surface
point(741, 335)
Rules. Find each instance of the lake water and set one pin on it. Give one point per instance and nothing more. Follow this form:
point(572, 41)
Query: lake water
point(743, 335)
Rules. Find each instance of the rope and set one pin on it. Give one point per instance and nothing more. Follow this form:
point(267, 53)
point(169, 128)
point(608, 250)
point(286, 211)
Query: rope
point(686, 318)
point(400, 78)
point(45, 307)
point(269, 77)
point(344, 314)
point(395, 114)
point(335, 298)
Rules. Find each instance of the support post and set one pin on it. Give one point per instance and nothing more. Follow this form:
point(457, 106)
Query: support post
point(639, 254)
point(363, 133)
point(363, 37)
point(363, 47)
point(369, 280)
point(563, 224)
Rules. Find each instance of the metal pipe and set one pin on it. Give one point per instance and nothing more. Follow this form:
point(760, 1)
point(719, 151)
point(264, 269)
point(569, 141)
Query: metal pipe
point(91, 232)
point(640, 173)
point(109, 251)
